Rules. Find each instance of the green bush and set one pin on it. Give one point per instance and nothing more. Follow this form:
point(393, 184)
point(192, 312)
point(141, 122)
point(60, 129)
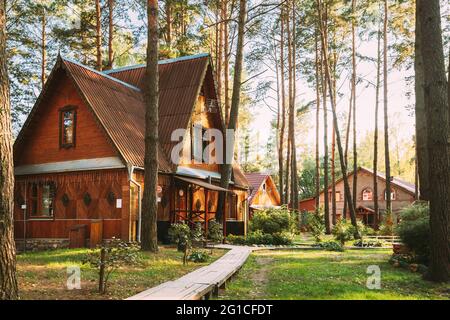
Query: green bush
point(272, 221)
point(329, 246)
point(236, 240)
point(343, 231)
point(260, 238)
point(314, 223)
point(215, 232)
point(180, 233)
point(199, 256)
point(366, 243)
point(387, 225)
point(414, 230)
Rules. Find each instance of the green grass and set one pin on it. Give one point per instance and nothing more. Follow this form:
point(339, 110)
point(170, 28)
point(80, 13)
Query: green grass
point(43, 275)
point(327, 275)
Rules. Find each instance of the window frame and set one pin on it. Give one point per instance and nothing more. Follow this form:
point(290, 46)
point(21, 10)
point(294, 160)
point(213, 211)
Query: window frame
point(371, 194)
point(69, 108)
point(393, 195)
point(38, 213)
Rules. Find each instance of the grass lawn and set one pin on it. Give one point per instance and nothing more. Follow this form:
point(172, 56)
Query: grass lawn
point(42, 275)
point(317, 274)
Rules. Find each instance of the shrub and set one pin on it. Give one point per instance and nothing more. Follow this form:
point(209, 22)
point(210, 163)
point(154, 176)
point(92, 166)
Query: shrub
point(272, 221)
point(414, 230)
point(387, 225)
point(343, 231)
point(111, 256)
point(260, 238)
point(183, 236)
point(215, 232)
point(329, 246)
point(237, 240)
point(368, 243)
point(199, 256)
point(316, 225)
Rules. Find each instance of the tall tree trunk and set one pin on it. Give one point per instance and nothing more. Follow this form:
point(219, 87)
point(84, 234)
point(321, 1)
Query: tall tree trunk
point(111, 34)
point(355, 151)
point(438, 135)
point(386, 117)
point(168, 5)
point(8, 280)
point(98, 34)
point(335, 121)
point(375, 136)
point(283, 111)
point(149, 201)
point(421, 119)
point(333, 177)
point(235, 101)
point(318, 75)
point(220, 53)
point(293, 96)
point(226, 61)
point(323, 36)
point(43, 48)
point(347, 139)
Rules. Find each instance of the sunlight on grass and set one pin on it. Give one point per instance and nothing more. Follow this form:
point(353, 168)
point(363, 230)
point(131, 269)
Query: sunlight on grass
point(42, 275)
point(328, 275)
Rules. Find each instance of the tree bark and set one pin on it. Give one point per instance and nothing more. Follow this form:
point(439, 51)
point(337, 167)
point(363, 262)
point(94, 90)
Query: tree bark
point(150, 206)
point(226, 61)
point(235, 101)
point(438, 138)
point(8, 280)
point(386, 116)
point(111, 34)
point(317, 174)
point(292, 119)
point(43, 48)
point(375, 136)
point(421, 119)
point(335, 121)
point(169, 23)
point(355, 150)
point(98, 34)
point(323, 36)
point(283, 110)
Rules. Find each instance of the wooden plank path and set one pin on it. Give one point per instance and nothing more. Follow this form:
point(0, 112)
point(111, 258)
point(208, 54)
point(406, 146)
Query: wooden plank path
point(202, 282)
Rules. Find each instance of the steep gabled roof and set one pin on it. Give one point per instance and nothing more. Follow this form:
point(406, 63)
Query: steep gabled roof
point(180, 82)
point(255, 181)
point(406, 186)
point(116, 100)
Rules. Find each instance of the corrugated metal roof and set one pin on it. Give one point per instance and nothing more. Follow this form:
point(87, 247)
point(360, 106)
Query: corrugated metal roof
point(255, 181)
point(180, 82)
point(116, 98)
point(117, 108)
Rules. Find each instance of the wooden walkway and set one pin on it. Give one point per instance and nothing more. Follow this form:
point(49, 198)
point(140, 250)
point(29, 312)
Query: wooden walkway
point(202, 282)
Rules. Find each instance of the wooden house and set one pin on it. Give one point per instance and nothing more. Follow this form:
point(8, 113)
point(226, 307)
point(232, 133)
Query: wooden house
point(79, 157)
point(263, 192)
point(402, 195)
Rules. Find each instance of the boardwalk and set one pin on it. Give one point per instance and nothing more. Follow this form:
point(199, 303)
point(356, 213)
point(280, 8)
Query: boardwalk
point(202, 282)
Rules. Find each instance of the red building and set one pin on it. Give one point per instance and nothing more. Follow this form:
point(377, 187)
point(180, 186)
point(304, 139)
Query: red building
point(79, 157)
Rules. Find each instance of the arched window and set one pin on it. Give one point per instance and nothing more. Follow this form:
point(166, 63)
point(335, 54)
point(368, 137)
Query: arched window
point(367, 194)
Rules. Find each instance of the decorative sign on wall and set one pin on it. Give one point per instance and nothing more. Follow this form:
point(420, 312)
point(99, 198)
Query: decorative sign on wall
point(118, 203)
point(159, 189)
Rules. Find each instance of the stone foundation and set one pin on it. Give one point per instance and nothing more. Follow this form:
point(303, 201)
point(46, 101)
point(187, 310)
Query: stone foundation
point(42, 244)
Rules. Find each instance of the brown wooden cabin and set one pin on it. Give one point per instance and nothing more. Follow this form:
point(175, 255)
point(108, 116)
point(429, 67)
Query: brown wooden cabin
point(263, 192)
point(79, 157)
point(402, 195)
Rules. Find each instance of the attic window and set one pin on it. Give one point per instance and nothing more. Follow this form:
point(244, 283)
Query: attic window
point(68, 121)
